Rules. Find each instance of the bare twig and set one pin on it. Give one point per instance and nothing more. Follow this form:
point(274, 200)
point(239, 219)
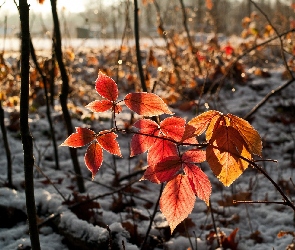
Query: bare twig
point(152, 218)
point(278, 35)
point(138, 55)
point(193, 49)
point(270, 94)
point(41, 171)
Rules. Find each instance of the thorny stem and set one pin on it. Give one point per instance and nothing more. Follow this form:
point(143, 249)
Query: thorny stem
point(152, 218)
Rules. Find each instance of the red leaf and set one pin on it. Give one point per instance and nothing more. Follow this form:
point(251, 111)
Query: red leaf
point(199, 181)
point(189, 135)
point(107, 141)
point(164, 170)
point(177, 200)
point(194, 156)
point(106, 87)
point(117, 109)
point(173, 127)
point(141, 143)
point(146, 104)
point(82, 137)
point(93, 158)
point(150, 175)
point(146, 126)
point(161, 149)
point(100, 106)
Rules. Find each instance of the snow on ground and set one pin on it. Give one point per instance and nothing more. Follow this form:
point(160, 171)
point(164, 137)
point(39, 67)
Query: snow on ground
point(258, 224)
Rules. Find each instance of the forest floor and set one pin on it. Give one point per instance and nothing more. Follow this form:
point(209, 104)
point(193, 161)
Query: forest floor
point(124, 205)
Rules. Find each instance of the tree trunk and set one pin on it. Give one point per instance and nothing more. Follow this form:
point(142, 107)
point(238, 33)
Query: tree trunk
point(26, 137)
point(64, 95)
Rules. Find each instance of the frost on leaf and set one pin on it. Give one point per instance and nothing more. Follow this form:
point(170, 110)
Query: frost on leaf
point(93, 158)
point(146, 104)
point(82, 137)
point(177, 200)
point(106, 87)
point(107, 141)
point(249, 134)
point(223, 151)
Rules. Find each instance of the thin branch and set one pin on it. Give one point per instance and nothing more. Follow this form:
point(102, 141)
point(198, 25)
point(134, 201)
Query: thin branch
point(152, 218)
point(138, 55)
point(270, 94)
point(261, 202)
point(44, 175)
point(193, 49)
point(278, 35)
point(287, 202)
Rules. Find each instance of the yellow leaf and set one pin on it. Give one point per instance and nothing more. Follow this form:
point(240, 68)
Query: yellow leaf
point(249, 134)
point(223, 151)
point(202, 121)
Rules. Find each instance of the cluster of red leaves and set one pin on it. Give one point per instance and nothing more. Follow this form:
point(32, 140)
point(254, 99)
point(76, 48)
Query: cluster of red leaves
point(230, 144)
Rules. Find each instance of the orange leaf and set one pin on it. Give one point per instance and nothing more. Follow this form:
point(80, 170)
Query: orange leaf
point(100, 106)
point(106, 87)
point(177, 200)
point(93, 158)
point(249, 134)
point(213, 125)
point(107, 141)
point(223, 151)
point(82, 137)
point(201, 122)
point(209, 4)
point(146, 104)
